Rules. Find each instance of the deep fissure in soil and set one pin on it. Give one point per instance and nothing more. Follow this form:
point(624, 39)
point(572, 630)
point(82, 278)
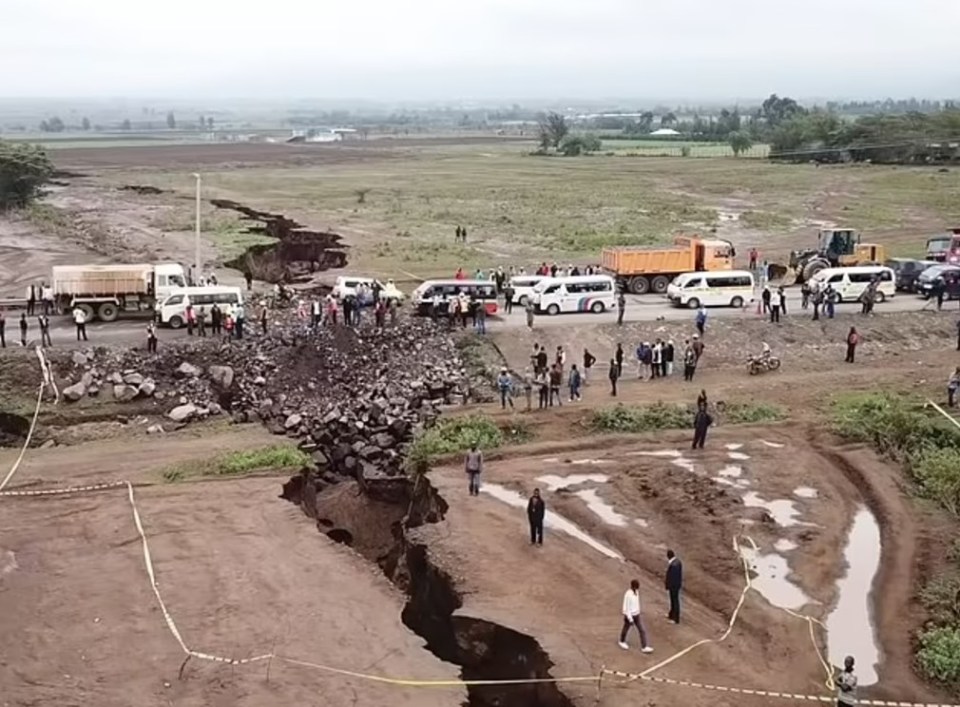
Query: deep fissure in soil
point(298, 254)
point(378, 520)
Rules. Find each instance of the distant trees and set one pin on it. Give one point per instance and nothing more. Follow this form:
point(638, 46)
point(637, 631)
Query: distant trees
point(24, 169)
point(740, 142)
point(171, 121)
point(53, 125)
point(668, 120)
point(125, 125)
point(209, 122)
point(776, 110)
point(573, 145)
point(552, 128)
point(201, 122)
point(85, 123)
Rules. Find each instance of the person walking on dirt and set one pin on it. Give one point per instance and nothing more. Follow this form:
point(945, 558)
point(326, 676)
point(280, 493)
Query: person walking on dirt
point(474, 467)
point(614, 375)
point(621, 307)
point(463, 235)
point(619, 359)
point(536, 510)
point(456, 236)
point(589, 359)
point(702, 400)
point(805, 295)
point(847, 684)
point(689, 362)
point(853, 338)
point(573, 382)
point(3, 330)
point(556, 380)
point(697, 347)
point(701, 319)
point(673, 583)
point(80, 319)
point(631, 617)
point(505, 386)
point(953, 385)
point(753, 259)
point(529, 310)
point(23, 329)
point(151, 338)
point(44, 321)
point(701, 422)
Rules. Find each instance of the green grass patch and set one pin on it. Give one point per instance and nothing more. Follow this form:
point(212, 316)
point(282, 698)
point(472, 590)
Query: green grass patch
point(939, 655)
point(663, 416)
point(277, 456)
point(458, 434)
point(765, 220)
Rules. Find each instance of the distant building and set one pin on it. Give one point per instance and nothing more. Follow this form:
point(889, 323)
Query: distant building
point(664, 132)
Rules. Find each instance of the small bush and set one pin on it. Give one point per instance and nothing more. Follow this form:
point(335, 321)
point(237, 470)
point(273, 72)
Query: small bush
point(458, 434)
point(941, 600)
point(278, 456)
point(939, 655)
point(663, 416)
point(747, 414)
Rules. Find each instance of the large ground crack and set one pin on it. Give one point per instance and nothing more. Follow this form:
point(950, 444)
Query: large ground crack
point(377, 521)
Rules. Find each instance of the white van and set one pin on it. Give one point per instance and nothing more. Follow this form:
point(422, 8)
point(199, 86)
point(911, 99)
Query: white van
point(721, 288)
point(348, 284)
point(524, 286)
point(849, 283)
point(580, 293)
point(172, 310)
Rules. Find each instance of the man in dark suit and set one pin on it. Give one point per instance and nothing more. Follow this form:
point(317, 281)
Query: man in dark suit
point(673, 584)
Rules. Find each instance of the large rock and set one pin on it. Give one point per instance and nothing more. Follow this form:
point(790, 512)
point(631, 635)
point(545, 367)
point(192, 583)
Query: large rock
point(79, 359)
point(124, 393)
point(134, 379)
point(188, 370)
point(147, 387)
point(293, 421)
point(182, 413)
point(74, 392)
point(222, 376)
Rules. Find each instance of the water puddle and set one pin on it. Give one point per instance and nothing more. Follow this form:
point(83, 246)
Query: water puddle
point(669, 453)
point(578, 462)
point(551, 519)
point(784, 512)
point(641, 522)
point(731, 470)
point(684, 463)
point(8, 562)
point(771, 580)
point(805, 492)
point(554, 482)
point(850, 628)
point(784, 545)
point(738, 456)
point(601, 508)
point(734, 446)
point(775, 445)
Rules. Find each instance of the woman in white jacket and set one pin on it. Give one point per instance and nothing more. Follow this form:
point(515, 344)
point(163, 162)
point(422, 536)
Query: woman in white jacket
point(631, 617)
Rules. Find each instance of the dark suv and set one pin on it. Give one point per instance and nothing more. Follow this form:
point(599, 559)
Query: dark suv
point(907, 271)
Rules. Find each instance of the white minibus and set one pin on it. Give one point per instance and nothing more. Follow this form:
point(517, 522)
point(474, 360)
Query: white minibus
point(523, 287)
point(484, 291)
point(849, 283)
point(579, 293)
point(720, 288)
point(172, 310)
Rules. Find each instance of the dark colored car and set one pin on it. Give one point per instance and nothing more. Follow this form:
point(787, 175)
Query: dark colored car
point(948, 274)
point(907, 270)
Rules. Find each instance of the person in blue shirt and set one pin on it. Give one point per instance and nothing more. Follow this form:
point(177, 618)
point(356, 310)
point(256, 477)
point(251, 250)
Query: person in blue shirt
point(505, 386)
point(701, 319)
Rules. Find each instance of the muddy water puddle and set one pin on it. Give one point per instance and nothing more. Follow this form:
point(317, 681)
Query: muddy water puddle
point(771, 579)
point(554, 482)
point(784, 512)
point(551, 520)
point(850, 629)
point(596, 505)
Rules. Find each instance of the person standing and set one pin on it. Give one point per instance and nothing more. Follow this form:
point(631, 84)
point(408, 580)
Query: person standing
point(456, 236)
point(847, 684)
point(201, 322)
point(673, 584)
point(668, 353)
point(656, 359)
point(701, 319)
point(701, 422)
point(463, 235)
point(805, 295)
point(316, 314)
point(529, 310)
point(505, 386)
point(44, 321)
point(248, 276)
point(782, 299)
point(46, 294)
point(543, 389)
point(331, 310)
point(3, 330)
point(481, 320)
point(474, 467)
point(152, 338)
point(765, 299)
point(621, 308)
point(774, 305)
point(589, 359)
point(619, 359)
point(263, 317)
point(528, 388)
point(631, 617)
point(508, 293)
point(853, 338)
point(80, 319)
point(239, 315)
point(216, 320)
point(573, 382)
point(23, 329)
point(614, 375)
point(829, 303)
point(753, 259)
point(953, 385)
point(697, 347)
point(536, 510)
point(689, 362)
point(31, 299)
point(191, 318)
point(556, 380)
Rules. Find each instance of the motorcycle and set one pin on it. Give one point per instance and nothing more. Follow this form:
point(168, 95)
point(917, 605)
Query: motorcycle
point(762, 364)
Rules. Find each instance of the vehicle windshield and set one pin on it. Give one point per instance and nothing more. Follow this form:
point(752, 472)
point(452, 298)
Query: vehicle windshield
point(177, 280)
point(939, 243)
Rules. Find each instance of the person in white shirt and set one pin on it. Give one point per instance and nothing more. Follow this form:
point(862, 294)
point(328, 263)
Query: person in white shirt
point(46, 292)
point(847, 684)
point(631, 617)
point(80, 319)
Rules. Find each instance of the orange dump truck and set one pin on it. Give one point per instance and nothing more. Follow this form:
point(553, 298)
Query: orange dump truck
point(644, 269)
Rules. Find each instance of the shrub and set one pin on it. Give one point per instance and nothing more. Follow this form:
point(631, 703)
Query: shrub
point(941, 600)
point(663, 416)
point(277, 456)
point(939, 655)
point(747, 413)
point(457, 434)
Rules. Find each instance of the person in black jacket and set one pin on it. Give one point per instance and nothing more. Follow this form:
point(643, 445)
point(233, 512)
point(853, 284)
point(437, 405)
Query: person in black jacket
point(673, 584)
point(535, 512)
point(701, 422)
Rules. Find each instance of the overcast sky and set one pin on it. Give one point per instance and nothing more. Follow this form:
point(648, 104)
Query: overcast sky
point(480, 49)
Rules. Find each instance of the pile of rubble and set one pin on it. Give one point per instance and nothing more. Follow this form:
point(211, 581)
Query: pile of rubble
point(352, 398)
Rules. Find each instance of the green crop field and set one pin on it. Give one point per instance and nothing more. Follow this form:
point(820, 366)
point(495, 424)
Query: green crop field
point(677, 148)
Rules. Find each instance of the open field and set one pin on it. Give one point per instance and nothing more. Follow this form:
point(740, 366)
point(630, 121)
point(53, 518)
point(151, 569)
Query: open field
point(677, 148)
point(825, 528)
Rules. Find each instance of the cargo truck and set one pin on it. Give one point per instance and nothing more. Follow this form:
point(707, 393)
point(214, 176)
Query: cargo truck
point(103, 291)
point(651, 268)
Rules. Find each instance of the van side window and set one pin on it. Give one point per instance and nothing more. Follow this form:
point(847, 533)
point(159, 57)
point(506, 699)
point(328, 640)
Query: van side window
point(836, 278)
point(176, 299)
point(862, 277)
point(551, 289)
point(232, 298)
point(695, 282)
point(886, 276)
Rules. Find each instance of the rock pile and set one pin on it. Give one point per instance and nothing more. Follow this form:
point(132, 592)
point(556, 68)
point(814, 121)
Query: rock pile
point(352, 398)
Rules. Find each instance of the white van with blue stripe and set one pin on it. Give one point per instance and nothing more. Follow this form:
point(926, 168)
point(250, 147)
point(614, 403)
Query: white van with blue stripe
point(580, 293)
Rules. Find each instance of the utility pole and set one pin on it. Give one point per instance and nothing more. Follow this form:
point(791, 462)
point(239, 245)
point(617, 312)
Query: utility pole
point(196, 263)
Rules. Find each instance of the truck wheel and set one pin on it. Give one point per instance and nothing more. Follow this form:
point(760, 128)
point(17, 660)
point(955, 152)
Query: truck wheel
point(175, 322)
point(639, 285)
point(693, 303)
point(87, 311)
point(660, 284)
point(108, 312)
